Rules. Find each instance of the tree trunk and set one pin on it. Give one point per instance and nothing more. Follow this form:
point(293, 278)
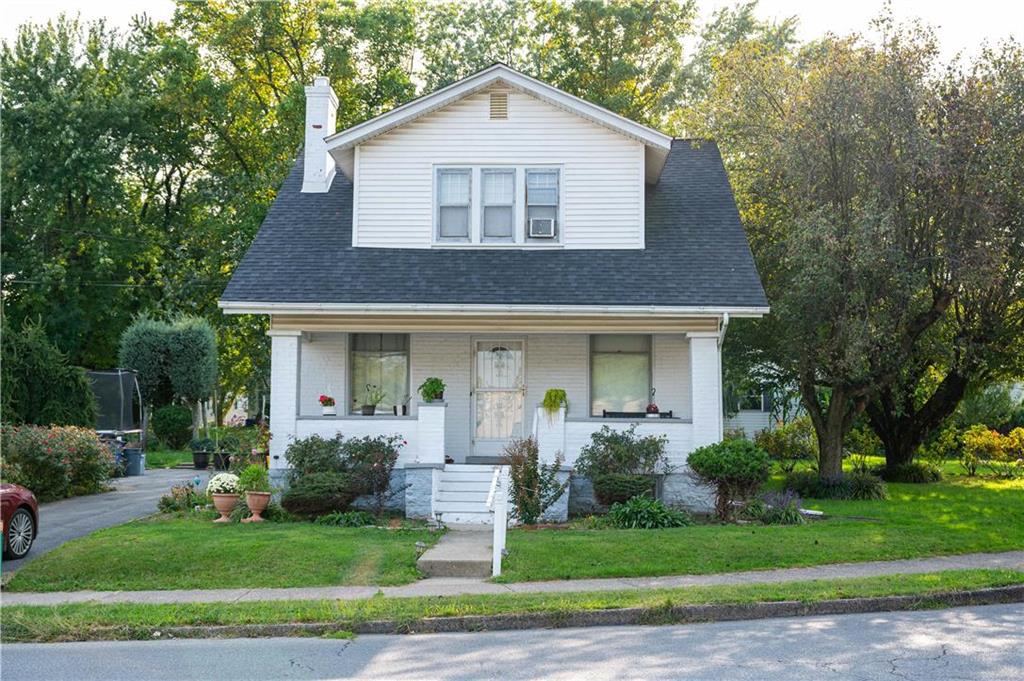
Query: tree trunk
point(830, 424)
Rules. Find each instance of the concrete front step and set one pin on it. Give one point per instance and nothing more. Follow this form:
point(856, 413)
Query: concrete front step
point(469, 467)
point(477, 496)
point(459, 553)
point(467, 518)
point(483, 479)
point(463, 486)
point(445, 506)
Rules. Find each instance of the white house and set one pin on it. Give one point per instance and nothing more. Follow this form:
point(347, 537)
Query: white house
point(508, 238)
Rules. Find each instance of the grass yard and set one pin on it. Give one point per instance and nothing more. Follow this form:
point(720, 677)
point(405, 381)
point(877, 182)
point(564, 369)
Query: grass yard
point(167, 458)
point(192, 553)
point(125, 621)
point(963, 515)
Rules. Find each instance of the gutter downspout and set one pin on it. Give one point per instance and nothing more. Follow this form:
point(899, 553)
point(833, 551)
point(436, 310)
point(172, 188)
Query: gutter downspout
point(724, 327)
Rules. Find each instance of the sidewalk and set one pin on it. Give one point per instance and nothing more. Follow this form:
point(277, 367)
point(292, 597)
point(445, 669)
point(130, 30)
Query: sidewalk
point(458, 587)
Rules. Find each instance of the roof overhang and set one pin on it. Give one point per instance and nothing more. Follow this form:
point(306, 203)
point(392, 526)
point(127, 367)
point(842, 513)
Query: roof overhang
point(341, 145)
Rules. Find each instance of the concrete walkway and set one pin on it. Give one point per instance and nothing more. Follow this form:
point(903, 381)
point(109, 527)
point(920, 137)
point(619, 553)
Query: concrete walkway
point(463, 551)
point(457, 587)
point(133, 497)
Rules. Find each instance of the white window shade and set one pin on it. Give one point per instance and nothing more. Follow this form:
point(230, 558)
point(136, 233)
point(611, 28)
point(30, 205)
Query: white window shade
point(542, 197)
point(498, 203)
point(453, 198)
point(620, 373)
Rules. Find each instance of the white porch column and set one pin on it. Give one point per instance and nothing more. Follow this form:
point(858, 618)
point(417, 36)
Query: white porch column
point(285, 356)
point(706, 388)
point(430, 432)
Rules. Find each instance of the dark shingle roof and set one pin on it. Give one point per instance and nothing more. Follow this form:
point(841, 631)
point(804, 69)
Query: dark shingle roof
point(696, 255)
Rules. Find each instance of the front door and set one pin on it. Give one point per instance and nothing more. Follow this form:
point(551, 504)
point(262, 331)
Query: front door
point(498, 394)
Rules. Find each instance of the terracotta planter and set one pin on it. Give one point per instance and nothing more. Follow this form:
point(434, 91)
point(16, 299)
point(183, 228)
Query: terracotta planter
point(257, 502)
point(225, 504)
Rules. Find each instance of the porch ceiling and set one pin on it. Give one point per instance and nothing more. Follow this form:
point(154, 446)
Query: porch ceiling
point(489, 323)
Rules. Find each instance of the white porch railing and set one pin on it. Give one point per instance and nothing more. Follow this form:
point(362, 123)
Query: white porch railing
point(497, 504)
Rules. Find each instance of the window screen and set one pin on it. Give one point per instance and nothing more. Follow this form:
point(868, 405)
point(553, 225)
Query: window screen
point(453, 203)
point(498, 203)
point(541, 195)
point(620, 373)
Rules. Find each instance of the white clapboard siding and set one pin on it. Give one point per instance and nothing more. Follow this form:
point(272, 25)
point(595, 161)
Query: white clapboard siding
point(602, 171)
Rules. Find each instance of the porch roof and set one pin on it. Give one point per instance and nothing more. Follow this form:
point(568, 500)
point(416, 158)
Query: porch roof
point(696, 257)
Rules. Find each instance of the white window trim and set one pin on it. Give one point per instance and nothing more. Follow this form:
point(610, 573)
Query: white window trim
point(484, 205)
point(519, 240)
point(473, 184)
point(558, 207)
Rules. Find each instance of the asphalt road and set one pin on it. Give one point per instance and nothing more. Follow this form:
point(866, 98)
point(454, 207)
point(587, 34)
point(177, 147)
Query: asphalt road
point(963, 643)
point(134, 497)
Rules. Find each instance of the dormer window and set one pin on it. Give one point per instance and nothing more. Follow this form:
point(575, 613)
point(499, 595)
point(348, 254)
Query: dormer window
point(453, 201)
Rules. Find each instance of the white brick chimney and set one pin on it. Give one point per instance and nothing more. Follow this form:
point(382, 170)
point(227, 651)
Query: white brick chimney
point(321, 112)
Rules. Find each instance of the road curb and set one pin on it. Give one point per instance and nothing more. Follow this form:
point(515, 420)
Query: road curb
point(611, 617)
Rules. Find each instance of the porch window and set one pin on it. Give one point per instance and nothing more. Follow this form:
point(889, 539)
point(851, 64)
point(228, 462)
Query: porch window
point(380, 360)
point(620, 373)
point(453, 192)
point(499, 194)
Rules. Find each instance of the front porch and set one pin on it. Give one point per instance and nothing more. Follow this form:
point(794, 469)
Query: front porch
point(495, 382)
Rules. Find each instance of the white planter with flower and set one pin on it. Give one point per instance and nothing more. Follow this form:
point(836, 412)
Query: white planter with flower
point(327, 405)
point(223, 487)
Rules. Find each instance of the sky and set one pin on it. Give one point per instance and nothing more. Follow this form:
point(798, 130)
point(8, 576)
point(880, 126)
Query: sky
point(961, 26)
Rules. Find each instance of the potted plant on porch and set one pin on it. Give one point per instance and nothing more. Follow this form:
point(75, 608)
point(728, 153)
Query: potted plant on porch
point(223, 487)
point(201, 448)
point(652, 409)
point(432, 389)
point(255, 483)
point(373, 396)
point(327, 405)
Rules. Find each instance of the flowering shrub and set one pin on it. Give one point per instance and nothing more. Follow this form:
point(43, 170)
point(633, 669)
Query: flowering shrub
point(55, 462)
point(980, 444)
point(789, 443)
point(326, 401)
point(223, 483)
point(1007, 461)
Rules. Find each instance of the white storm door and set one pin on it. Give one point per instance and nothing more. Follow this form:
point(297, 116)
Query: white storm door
point(499, 391)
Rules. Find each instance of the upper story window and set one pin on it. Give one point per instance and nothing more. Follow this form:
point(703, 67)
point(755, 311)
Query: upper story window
point(498, 205)
point(542, 203)
point(453, 202)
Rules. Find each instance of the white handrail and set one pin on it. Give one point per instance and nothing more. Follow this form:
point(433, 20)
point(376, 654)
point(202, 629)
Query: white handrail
point(497, 502)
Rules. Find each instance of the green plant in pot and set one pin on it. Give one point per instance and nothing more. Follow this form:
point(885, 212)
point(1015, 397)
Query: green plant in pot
point(432, 389)
point(201, 448)
point(255, 483)
point(372, 396)
point(554, 400)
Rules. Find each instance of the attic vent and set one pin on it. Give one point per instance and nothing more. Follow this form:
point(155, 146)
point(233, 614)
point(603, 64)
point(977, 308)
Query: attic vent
point(499, 106)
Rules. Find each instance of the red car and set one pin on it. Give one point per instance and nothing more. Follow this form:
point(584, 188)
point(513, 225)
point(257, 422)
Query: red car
point(20, 518)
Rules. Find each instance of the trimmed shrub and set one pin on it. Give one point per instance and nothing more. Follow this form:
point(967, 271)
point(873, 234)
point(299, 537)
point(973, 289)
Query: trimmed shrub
point(789, 443)
point(854, 486)
point(534, 486)
point(915, 472)
point(736, 468)
point(347, 519)
point(315, 454)
point(191, 347)
point(38, 386)
point(55, 462)
point(317, 494)
point(173, 425)
point(644, 513)
point(980, 444)
point(611, 488)
point(612, 451)
point(776, 508)
point(144, 348)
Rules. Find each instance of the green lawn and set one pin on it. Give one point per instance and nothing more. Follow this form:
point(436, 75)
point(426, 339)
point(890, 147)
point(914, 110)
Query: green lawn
point(167, 458)
point(125, 621)
point(192, 553)
point(962, 515)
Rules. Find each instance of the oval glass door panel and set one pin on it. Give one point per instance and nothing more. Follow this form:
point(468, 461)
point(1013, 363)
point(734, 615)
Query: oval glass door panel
point(498, 387)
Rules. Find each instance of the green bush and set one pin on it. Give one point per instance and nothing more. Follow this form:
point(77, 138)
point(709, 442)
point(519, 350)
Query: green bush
point(274, 513)
point(254, 478)
point(915, 472)
point(611, 488)
point(55, 462)
point(776, 508)
point(644, 513)
point(855, 486)
point(317, 494)
point(612, 451)
point(173, 425)
point(347, 519)
point(315, 454)
point(182, 499)
point(38, 386)
point(202, 444)
point(736, 468)
point(789, 443)
point(534, 486)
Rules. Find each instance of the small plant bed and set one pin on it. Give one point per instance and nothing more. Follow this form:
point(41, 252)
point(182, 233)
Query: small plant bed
point(962, 515)
point(81, 622)
point(166, 552)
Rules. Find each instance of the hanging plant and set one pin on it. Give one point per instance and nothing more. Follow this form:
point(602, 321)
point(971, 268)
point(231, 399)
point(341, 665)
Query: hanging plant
point(554, 399)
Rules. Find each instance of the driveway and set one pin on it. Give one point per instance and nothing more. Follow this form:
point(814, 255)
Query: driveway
point(984, 642)
point(134, 497)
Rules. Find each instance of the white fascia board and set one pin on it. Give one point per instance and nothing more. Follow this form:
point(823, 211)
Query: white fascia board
point(366, 130)
point(412, 309)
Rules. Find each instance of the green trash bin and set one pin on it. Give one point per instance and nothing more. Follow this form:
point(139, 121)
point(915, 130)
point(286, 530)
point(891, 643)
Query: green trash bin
point(136, 461)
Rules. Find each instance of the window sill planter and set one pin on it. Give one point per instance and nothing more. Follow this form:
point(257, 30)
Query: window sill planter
point(329, 411)
point(369, 409)
point(200, 460)
point(257, 503)
point(225, 504)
